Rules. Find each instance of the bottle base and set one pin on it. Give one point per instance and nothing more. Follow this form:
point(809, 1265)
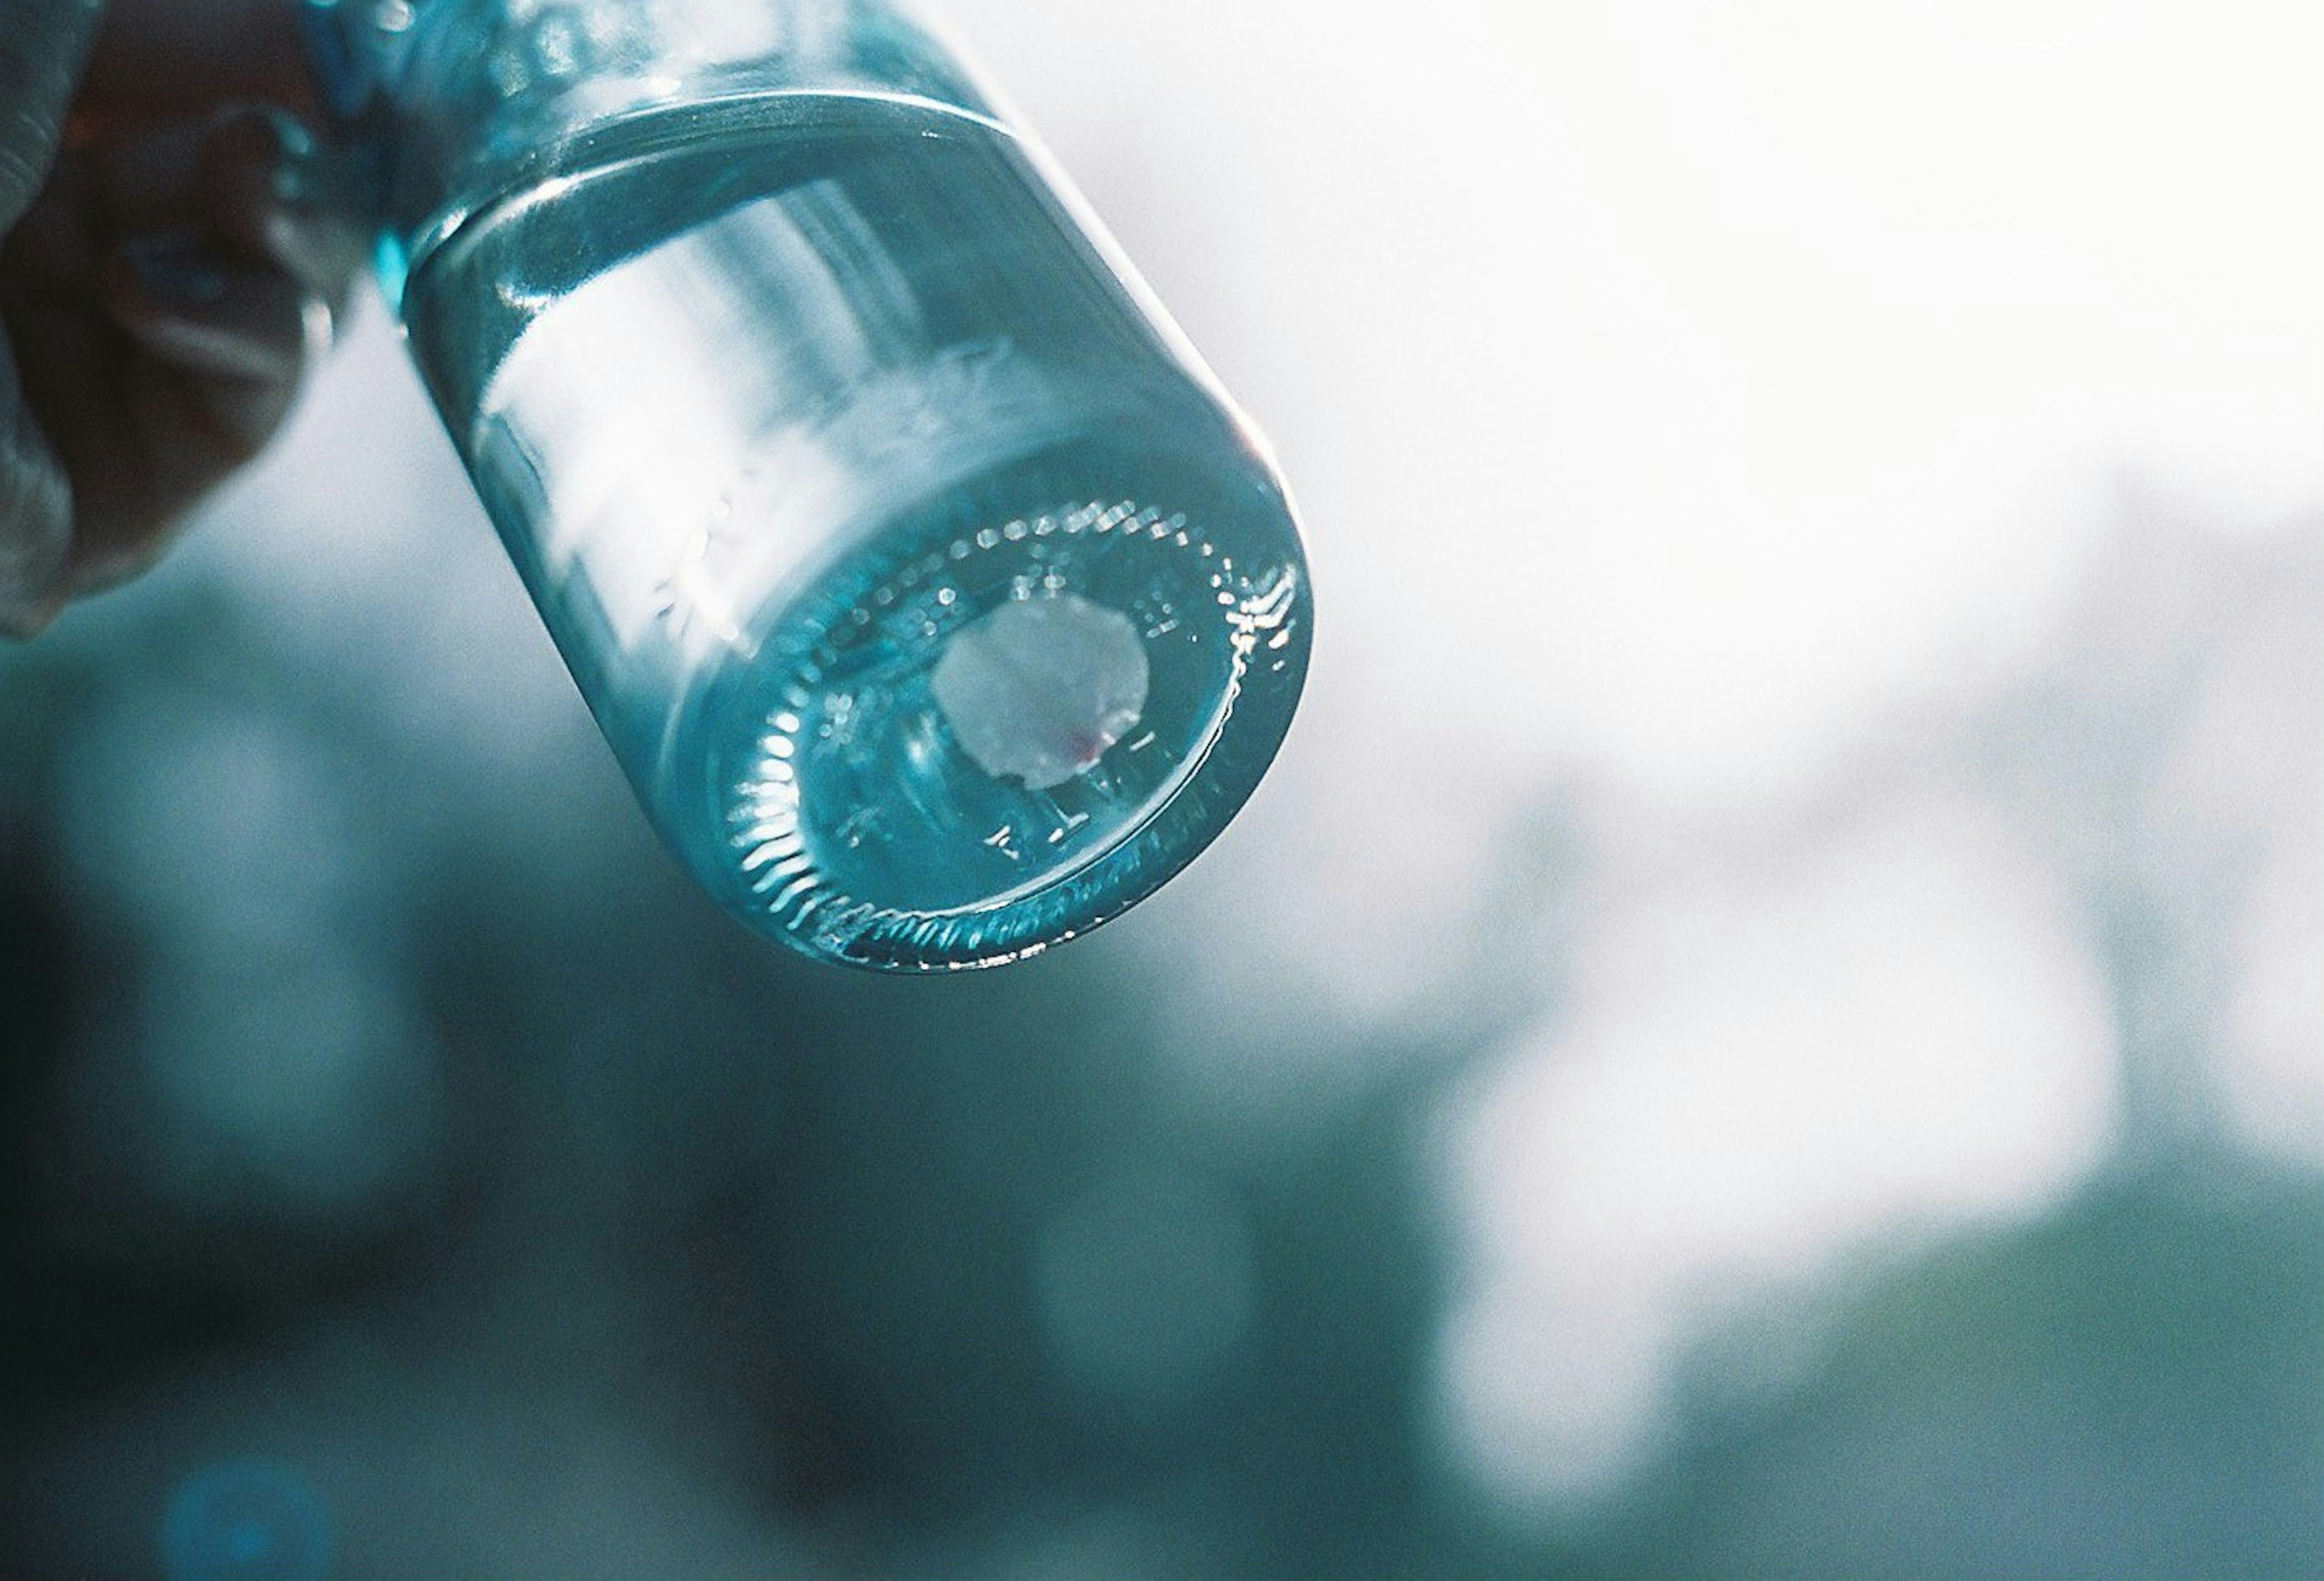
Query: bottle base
point(988, 731)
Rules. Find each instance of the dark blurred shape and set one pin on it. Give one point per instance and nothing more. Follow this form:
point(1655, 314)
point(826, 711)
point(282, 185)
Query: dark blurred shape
point(2132, 1388)
point(386, 1109)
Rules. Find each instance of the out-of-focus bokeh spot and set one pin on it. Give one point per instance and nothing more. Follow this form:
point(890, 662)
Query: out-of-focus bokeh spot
point(246, 1521)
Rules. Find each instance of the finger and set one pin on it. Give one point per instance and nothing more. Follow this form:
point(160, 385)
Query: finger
point(35, 517)
point(202, 425)
point(44, 47)
point(251, 176)
point(272, 183)
point(159, 59)
point(217, 349)
point(187, 304)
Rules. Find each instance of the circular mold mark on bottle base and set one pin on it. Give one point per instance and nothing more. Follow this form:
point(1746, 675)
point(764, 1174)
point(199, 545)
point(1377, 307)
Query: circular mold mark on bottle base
point(1039, 688)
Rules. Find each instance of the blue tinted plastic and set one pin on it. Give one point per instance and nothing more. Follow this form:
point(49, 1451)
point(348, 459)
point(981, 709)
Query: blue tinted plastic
point(936, 600)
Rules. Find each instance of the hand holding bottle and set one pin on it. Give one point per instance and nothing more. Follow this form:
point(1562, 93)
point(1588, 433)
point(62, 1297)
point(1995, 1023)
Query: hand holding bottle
point(938, 600)
point(169, 266)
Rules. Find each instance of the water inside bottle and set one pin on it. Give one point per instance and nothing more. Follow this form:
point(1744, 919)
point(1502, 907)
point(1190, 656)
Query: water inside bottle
point(938, 611)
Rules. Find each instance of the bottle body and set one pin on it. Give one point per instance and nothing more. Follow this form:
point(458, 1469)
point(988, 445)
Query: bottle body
point(932, 595)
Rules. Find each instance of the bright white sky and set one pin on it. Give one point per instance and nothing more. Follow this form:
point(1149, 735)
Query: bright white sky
point(1668, 383)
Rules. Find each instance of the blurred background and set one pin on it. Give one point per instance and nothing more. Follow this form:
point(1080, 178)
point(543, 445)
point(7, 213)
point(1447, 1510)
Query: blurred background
point(1769, 1021)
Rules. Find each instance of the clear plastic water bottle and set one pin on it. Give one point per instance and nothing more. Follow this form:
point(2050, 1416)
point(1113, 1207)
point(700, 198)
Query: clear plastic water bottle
point(936, 600)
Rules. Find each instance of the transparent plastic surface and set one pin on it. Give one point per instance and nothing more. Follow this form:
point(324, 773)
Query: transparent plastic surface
point(936, 603)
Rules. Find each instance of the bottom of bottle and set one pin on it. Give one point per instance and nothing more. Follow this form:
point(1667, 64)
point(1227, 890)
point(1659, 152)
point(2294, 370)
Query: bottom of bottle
point(989, 728)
